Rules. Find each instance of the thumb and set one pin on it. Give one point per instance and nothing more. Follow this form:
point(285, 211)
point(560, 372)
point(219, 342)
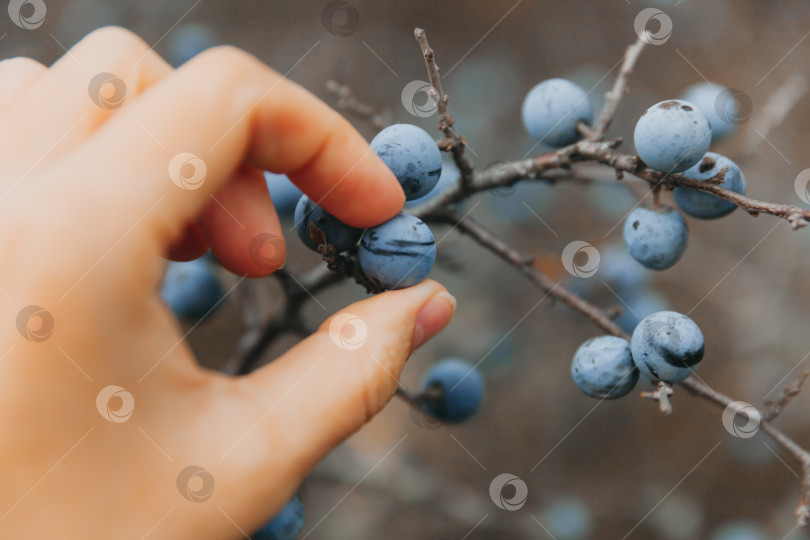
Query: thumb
point(329, 385)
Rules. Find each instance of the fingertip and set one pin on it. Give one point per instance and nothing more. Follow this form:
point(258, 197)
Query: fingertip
point(242, 227)
point(190, 246)
point(359, 191)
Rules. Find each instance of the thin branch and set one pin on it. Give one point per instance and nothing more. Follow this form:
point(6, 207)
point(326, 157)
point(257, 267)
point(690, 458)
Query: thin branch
point(455, 144)
point(604, 152)
point(615, 95)
point(297, 291)
point(524, 264)
point(791, 390)
point(661, 395)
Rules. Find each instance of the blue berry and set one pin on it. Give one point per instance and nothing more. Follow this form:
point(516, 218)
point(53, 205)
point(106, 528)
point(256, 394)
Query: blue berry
point(717, 103)
point(462, 390)
point(705, 205)
point(412, 155)
point(284, 194)
point(667, 346)
point(286, 525)
point(188, 41)
point(603, 368)
point(619, 270)
point(671, 136)
point(639, 304)
point(190, 289)
point(656, 238)
point(552, 110)
point(337, 233)
point(450, 175)
point(399, 253)
point(568, 518)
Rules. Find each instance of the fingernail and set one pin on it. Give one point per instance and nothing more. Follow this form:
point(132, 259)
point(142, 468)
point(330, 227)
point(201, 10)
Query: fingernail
point(433, 317)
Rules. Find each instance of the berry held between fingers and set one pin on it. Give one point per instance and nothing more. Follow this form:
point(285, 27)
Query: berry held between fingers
point(412, 155)
point(656, 238)
point(337, 233)
point(667, 346)
point(603, 368)
point(460, 386)
point(450, 175)
point(705, 205)
point(286, 525)
point(399, 253)
point(671, 136)
point(190, 289)
point(552, 110)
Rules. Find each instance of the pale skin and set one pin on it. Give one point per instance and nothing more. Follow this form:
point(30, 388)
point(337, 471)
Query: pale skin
point(88, 215)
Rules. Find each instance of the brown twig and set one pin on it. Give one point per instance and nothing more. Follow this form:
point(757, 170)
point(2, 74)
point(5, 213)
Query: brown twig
point(296, 291)
point(615, 95)
point(604, 152)
point(661, 395)
point(791, 390)
point(524, 264)
point(455, 144)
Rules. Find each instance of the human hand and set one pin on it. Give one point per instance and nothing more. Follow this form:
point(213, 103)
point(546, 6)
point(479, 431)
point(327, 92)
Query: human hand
point(89, 210)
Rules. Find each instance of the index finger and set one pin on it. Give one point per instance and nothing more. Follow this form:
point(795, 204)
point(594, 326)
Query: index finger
point(225, 108)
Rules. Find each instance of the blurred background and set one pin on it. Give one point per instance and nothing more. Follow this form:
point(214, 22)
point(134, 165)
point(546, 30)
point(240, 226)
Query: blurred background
point(616, 469)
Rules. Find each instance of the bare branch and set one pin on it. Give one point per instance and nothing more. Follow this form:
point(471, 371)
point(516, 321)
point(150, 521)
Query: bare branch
point(604, 152)
point(455, 144)
point(791, 390)
point(661, 396)
point(615, 95)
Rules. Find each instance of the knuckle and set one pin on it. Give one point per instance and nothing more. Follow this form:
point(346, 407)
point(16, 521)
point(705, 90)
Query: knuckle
point(226, 61)
point(115, 38)
point(21, 63)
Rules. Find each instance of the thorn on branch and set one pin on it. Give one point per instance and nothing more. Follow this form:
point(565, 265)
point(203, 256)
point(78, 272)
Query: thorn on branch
point(661, 396)
point(791, 390)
